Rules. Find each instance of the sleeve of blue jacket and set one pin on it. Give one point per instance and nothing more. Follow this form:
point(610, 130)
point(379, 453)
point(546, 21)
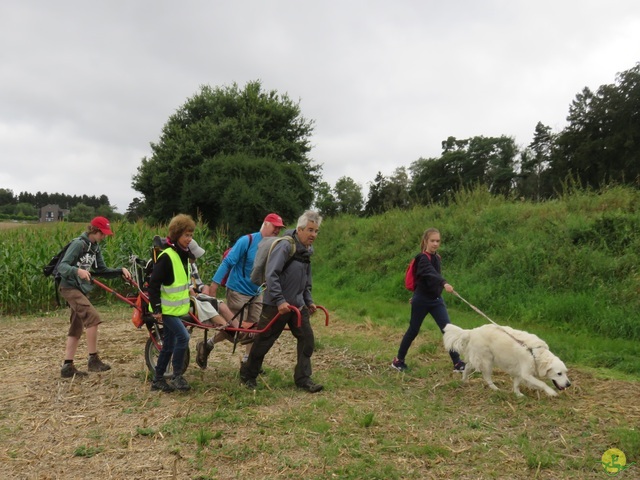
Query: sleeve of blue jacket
point(238, 264)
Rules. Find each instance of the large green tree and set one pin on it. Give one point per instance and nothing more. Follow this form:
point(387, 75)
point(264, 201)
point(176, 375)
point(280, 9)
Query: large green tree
point(534, 178)
point(435, 179)
point(81, 213)
point(601, 144)
point(479, 160)
point(325, 200)
point(486, 161)
point(349, 196)
point(387, 193)
point(230, 155)
point(396, 191)
point(375, 198)
point(6, 197)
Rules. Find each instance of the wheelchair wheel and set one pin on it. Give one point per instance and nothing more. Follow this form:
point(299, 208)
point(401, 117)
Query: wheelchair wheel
point(152, 350)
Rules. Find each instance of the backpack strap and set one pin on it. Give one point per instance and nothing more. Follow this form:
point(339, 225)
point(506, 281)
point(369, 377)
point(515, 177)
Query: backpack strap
point(295, 256)
point(246, 254)
point(292, 251)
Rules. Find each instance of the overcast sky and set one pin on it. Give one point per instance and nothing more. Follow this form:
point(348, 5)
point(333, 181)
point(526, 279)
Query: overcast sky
point(85, 86)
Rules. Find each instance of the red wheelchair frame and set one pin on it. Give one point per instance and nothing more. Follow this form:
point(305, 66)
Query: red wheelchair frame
point(191, 321)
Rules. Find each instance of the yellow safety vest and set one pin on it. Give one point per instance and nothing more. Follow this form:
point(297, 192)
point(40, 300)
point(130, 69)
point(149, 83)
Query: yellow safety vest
point(174, 298)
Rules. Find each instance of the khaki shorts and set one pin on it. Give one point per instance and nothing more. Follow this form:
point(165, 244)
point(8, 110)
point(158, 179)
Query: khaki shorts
point(83, 314)
point(236, 301)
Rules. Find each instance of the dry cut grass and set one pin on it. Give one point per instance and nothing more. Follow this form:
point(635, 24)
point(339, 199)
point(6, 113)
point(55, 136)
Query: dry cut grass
point(370, 422)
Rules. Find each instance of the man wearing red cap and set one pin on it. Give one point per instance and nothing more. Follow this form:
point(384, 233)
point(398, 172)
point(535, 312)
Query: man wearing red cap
point(240, 289)
point(82, 259)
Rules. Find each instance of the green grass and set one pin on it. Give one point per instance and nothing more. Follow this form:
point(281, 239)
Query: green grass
point(86, 451)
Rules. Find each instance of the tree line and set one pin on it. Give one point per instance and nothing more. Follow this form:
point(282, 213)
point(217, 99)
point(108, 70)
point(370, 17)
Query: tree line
point(599, 146)
point(230, 155)
point(27, 205)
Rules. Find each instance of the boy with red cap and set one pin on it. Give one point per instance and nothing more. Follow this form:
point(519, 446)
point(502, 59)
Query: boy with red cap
point(82, 259)
point(240, 289)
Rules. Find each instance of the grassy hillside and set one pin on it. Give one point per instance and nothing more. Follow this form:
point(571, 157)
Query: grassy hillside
point(564, 267)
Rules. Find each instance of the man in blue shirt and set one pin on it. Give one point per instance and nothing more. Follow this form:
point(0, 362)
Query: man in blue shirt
point(240, 289)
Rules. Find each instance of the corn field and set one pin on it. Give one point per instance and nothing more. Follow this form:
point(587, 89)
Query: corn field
point(26, 249)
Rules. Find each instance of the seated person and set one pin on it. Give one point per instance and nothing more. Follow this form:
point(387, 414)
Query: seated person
point(210, 310)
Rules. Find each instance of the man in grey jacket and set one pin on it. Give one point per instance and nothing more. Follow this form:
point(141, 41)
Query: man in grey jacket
point(288, 280)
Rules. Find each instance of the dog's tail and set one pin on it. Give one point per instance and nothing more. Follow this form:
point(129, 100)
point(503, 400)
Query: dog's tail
point(455, 338)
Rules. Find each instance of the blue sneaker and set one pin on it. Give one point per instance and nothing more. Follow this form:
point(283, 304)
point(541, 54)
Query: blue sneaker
point(399, 365)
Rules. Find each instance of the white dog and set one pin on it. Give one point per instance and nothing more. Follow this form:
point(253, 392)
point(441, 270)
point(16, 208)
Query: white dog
point(522, 355)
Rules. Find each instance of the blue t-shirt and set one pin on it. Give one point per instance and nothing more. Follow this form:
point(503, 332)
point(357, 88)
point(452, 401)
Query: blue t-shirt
point(239, 263)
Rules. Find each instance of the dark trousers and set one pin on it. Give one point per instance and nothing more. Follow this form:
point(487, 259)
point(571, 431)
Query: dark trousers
point(420, 307)
point(175, 342)
point(264, 341)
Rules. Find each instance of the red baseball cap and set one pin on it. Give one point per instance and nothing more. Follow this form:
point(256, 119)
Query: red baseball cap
point(102, 224)
point(274, 219)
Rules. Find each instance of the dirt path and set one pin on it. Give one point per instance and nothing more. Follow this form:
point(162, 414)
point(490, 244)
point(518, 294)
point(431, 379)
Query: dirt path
point(50, 427)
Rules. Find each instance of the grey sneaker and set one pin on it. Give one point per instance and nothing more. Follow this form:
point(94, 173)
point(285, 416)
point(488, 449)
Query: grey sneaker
point(203, 349)
point(162, 386)
point(179, 383)
point(69, 370)
point(97, 365)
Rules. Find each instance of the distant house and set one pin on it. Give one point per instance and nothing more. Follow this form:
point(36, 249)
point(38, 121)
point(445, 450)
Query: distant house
point(52, 213)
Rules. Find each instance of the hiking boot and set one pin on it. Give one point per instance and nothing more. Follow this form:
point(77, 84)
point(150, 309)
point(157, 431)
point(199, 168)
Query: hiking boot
point(162, 385)
point(459, 367)
point(399, 365)
point(96, 365)
point(249, 383)
point(245, 359)
point(203, 349)
point(69, 370)
point(180, 383)
point(311, 387)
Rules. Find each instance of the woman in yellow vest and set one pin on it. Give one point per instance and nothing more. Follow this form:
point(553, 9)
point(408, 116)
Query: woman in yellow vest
point(169, 300)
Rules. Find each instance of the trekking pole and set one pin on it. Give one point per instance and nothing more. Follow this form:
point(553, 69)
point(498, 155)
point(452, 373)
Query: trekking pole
point(474, 307)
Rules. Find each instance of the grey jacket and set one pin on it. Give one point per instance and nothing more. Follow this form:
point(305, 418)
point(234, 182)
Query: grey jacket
point(82, 254)
point(293, 285)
